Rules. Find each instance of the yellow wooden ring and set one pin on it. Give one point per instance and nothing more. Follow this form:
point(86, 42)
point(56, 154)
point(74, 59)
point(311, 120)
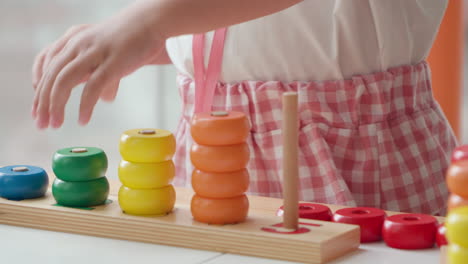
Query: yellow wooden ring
point(146, 175)
point(457, 226)
point(457, 254)
point(136, 145)
point(147, 201)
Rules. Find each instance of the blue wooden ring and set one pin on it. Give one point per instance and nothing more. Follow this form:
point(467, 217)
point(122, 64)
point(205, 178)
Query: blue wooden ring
point(21, 182)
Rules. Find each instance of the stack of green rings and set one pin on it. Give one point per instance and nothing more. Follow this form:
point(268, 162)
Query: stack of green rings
point(81, 180)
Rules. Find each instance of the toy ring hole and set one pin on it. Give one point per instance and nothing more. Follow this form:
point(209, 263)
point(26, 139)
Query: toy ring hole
point(360, 212)
point(20, 169)
point(79, 150)
point(305, 207)
point(147, 132)
point(219, 113)
point(411, 218)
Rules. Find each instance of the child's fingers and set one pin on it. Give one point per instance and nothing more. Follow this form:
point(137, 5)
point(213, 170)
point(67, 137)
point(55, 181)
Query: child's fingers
point(37, 67)
point(34, 106)
point(44, 58)
point(93, 89)
point(58, 46)
point(37, 96)
point(68, 78)
point(110, 91)
point(36, 101)
point(46, 84)
point(38, 71)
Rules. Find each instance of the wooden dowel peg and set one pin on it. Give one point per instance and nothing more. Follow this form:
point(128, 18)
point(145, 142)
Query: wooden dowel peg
point(290, 161)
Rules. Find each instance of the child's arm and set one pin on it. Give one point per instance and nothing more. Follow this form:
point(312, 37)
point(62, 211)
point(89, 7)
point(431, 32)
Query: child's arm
point(102, 54)
point(177, 17)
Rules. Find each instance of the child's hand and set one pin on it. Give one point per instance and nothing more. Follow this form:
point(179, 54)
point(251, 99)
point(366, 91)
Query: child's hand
point(44, 58)
point(98, 54)
point(104, 53)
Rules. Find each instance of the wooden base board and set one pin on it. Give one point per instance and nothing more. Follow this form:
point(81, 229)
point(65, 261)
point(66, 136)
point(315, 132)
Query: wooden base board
point(323, 242)
point(443, 255)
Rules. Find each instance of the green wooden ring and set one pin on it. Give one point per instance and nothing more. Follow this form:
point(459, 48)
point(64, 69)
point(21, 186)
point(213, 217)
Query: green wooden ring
point(81, 194)
point(83, 166)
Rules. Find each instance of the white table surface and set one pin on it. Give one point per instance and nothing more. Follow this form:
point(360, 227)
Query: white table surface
point(24, 246)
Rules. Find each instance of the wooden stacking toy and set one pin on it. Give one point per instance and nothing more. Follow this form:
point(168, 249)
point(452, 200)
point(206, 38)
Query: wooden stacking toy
point(146, 167)
point(457, 219)
point(22, 182)
point(220, 156)
point(146, 172)
point(81, 180)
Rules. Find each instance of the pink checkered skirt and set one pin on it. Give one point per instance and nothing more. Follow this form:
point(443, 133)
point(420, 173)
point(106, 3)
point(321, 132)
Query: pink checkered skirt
point(377, 140)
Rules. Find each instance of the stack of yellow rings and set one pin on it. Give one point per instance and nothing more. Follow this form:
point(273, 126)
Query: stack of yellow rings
point(146, 172)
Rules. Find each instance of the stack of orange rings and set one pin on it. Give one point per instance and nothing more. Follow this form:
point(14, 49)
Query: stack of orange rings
point(457, 220)
point(457, 178)
point(220, 156)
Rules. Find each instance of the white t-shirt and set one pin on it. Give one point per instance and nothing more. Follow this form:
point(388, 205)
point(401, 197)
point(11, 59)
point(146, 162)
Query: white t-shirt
point(322, 40)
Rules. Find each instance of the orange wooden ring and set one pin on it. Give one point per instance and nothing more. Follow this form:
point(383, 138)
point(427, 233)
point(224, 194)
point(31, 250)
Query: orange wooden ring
point(457, 178)
point(460, 153)
point(220, 185)
point(217, 130)
point(455, 201)
point(220, 158)
point(220, 211)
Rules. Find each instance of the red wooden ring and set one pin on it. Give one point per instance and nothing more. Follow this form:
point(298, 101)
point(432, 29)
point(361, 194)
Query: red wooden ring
point(410, 231)
point(370, 220)
point(460, 153)
point(311, 211)
point(441, 239)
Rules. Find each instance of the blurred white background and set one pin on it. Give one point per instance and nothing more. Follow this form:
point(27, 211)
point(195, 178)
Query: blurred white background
point(148, 98)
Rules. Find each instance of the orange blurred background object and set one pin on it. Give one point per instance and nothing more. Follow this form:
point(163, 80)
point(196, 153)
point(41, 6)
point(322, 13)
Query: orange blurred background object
point(455, 201)
point(446, 62)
